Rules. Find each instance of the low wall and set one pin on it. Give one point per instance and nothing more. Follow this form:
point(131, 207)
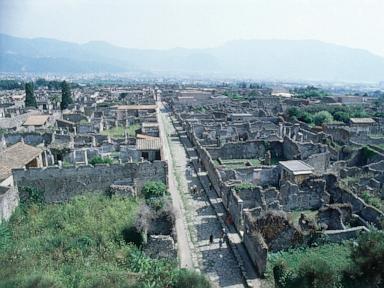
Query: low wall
point(257, 251)
point(342, 235)
point(61, 184)
point(9, 200)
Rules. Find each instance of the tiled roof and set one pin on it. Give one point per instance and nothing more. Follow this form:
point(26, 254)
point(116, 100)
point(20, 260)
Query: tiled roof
point(136, 107)
point(297, 167)
point(16, 156)
point(362, 121)
point(148, 144)
point(36, 120)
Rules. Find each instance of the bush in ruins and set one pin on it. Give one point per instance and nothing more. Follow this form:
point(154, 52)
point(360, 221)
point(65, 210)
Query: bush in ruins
point(154, 189)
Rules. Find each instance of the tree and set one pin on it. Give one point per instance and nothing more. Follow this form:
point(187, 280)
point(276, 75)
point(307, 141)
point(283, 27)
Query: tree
point(322, 117)
point(30, 100)
point(368, 257)
point(66, 98)
point(341, 116)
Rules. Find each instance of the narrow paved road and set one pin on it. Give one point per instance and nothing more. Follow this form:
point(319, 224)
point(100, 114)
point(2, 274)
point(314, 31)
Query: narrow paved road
point(183, 238)
point(198, 219)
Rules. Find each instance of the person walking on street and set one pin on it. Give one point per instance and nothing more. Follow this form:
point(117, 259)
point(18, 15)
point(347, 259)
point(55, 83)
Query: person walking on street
point(210, 239)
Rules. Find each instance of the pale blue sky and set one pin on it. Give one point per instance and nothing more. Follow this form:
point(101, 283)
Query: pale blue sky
point(197, 23)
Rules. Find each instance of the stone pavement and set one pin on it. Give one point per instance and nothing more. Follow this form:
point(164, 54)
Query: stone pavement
point(219, 264)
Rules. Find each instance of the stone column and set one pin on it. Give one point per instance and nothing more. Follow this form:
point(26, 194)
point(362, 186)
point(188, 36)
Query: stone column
point(45, 159)
point(85, 157)
point(281, 129)
point(296, 129)
point(300, 137)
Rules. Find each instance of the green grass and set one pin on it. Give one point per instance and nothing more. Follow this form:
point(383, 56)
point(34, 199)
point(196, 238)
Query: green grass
point(238, 163)
point(68, 242)
point(79, 244)
point(119, 132)
point(338, 256)
point(373, 200)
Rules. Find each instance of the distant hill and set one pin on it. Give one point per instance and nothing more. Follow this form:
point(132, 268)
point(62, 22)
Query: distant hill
point(262, 59)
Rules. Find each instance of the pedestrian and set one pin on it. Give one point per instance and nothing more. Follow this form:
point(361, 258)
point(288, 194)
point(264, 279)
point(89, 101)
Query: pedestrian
point(220, 243)
point(210, 239)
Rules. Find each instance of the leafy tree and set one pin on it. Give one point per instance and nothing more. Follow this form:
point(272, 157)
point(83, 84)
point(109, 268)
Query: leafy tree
point(322, 117)
point(309, 92)
point(368, 256)
point(341, 116)
point(30, 100)
point(66, 98)
point(10, 85)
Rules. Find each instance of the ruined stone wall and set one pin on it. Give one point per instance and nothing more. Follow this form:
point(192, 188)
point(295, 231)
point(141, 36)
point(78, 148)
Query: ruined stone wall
point(319, 161)
point(309, 195)
point(290, 149)
point(257, 250)
point(31, 138)
point(359, 207)
point(9, 200)
point(61, 184)
point(239, 150)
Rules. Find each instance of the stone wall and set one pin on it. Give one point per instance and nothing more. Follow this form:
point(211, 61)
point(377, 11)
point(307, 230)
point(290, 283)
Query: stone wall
point(9, 200)
point(245, 150)
point(359, 207)
point(161, 246)
point(31, 138)
point(342, 235)
point(319, 161)
point(257, 250)
point(60, 184)
point(311, 194)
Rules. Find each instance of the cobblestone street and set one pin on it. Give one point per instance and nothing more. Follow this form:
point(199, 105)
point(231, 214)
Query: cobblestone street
point(219, 264)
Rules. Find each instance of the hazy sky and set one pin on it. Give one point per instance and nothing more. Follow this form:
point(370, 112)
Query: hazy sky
point(197, 23)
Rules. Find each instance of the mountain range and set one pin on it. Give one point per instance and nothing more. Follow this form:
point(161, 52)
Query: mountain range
point(257, 59)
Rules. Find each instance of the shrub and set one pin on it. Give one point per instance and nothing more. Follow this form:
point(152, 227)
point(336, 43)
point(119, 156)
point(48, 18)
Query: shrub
point(100, 160)
point(187, 278)
point(317, 273)
point(282, 274)
point(32, 195)
point(154, 189)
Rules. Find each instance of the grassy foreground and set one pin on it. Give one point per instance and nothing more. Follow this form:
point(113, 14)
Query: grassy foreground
point(80, 244)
